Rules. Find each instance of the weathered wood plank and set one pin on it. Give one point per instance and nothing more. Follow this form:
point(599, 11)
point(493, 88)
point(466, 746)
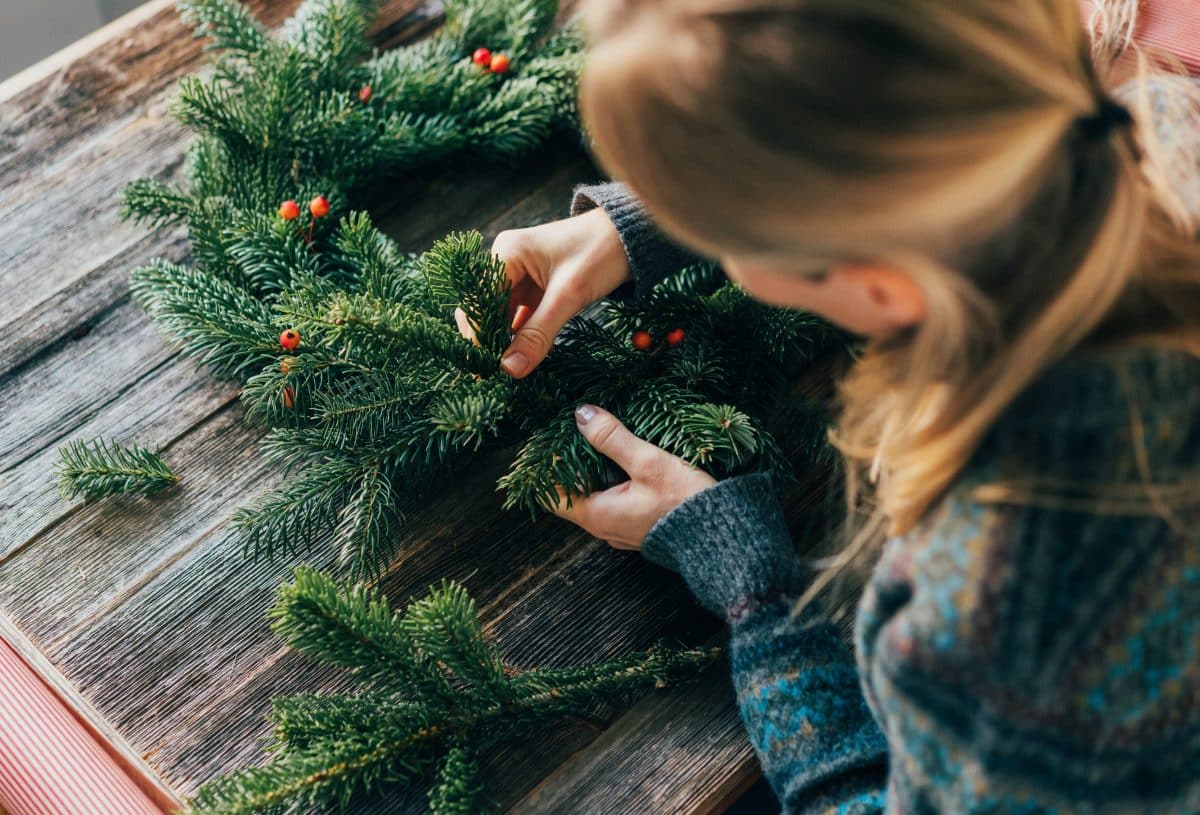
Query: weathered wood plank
point(650, 759)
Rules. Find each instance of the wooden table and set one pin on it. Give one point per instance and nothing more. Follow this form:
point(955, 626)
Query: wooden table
point(144, 611)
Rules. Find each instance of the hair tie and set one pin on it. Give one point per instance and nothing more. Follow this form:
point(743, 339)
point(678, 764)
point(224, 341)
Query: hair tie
point(1109, 116)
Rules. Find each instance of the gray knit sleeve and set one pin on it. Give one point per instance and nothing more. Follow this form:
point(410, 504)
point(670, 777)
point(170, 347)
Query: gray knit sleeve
point(652, 255)
point(729, 543)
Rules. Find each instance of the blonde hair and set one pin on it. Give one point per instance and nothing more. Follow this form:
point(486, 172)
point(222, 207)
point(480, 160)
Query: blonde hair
point(943, 138)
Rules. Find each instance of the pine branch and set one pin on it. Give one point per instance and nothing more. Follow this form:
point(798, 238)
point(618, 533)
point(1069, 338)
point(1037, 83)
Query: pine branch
point(373, 329)
point(332, 33)
point(555, 463)
point(471, 412)
point(411, 723)
point(324, 773)
point(222, 325)
point(103, 468)
point(692, 428)
point(218, 110)
point(229, 24)
point(366, 525)
point(459, 273)
point(307, 719)
point(269, 254)
point(458, 790)
point(353, 627)
point(297, 515)
point(373, 263)
point(357, 410)
point(155, 204)
point(444, 626)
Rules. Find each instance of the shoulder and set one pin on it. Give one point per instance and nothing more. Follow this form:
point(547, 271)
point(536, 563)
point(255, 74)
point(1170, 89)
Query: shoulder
point(1098, 417)
point(1070, 613)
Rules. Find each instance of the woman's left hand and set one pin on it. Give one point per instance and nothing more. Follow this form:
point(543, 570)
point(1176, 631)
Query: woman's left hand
point(658, 482)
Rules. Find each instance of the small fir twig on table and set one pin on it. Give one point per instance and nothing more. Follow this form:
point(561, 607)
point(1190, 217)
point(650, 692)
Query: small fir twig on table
point(102, 468)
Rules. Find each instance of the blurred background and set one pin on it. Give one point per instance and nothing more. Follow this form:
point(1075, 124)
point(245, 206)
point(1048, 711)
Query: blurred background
point(33, 29)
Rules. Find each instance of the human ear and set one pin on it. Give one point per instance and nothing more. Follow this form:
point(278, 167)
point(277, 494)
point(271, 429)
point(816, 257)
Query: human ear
point(891, 295)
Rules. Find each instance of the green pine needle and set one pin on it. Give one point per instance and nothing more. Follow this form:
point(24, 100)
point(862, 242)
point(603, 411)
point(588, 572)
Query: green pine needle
point(103, 468)
point(434, 697)
point(229, 24)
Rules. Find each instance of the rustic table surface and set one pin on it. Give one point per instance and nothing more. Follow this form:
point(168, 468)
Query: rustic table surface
point(144, 610)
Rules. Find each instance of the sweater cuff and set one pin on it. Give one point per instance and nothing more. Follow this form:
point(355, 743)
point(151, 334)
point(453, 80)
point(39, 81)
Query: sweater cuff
point(652, 255)
point(730, 543)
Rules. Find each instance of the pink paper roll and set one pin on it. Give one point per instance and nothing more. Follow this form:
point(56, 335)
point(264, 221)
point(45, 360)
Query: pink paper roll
point(1167, 25)
point(1174, 26)
point(49, 763)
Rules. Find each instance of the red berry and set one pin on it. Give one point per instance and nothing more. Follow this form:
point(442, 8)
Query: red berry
point(675, 336)
point(520, 317)
point(642, 340)
point(364, 94)
point(289, 210)
point(289, 397)
point(319, 206)
point(482, 56)
point(290, 339)
point(499, 64)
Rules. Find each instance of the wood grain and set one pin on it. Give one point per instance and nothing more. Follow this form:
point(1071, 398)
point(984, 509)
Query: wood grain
point(146, 606)
point(676, 738)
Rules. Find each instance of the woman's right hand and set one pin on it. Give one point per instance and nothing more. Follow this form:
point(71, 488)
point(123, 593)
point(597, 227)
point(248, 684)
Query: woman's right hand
point(557, 269)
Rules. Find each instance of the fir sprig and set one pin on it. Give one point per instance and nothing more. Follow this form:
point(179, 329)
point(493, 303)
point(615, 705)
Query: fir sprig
point(103, 468)
point(435, 697)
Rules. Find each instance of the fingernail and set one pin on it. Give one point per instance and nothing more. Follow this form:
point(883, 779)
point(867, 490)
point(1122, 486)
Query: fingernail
point(515, 363)
point(521, 317)
point(584, 414)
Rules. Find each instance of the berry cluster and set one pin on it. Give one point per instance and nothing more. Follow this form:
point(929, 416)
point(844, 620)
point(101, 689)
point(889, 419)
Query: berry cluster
point(496, 63)
point(290, 210)
point(643, 341)
point(319, 207)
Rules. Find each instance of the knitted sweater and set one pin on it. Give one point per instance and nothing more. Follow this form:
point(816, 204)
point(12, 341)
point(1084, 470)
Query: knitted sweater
point(1031, 658)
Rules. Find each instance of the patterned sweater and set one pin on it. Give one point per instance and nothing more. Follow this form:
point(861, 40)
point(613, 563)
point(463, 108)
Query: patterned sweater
point(1032, 658)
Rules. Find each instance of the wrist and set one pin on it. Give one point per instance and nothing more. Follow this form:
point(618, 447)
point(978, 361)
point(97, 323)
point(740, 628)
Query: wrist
point(603, 251)
point(730, 544)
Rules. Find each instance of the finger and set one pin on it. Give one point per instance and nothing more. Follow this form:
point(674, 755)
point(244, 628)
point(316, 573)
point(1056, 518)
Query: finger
point(624, 546)
point(575, 508)
point(533, 342)
point(524, 288)
point(612, 439)
point(527, 293)
point(511, 248)
point(600, 514)
point(464, 325)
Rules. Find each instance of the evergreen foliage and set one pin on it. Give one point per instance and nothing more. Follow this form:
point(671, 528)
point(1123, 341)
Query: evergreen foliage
point(102, 467)
point(433, 697)
point(383, 400)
